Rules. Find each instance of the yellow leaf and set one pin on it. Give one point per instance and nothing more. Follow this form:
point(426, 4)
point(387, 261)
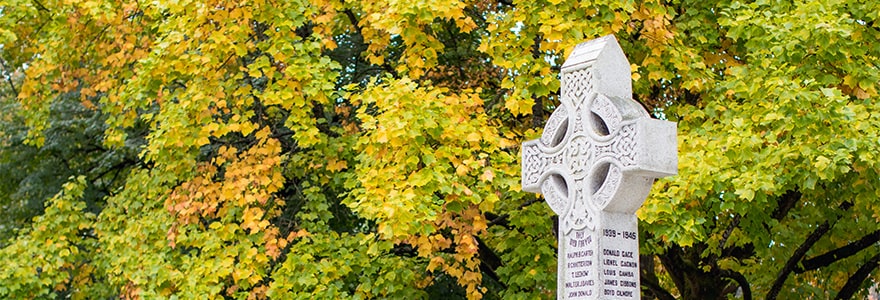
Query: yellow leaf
point(247, 128)
point(488, 175)
point(434, 263)
point(473, 137)
point(336, 165)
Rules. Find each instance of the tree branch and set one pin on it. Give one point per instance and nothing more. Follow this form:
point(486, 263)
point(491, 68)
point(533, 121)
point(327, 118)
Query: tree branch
point(9, 78)
point(120, 165)
point(785, 203)
point(729, 230)
point(854, 281)
point(40, 6)
point(674, 264)
point(354, 21)
point(741, 280)
point(795, 258)
point(840, 253)
point(649, 278)
point(799, 253)
point(489, 260)
point(502, 219)
point(538, 113)
point(655, 289)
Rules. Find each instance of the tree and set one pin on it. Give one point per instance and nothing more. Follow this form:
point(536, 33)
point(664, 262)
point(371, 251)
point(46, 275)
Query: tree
point(339, 149)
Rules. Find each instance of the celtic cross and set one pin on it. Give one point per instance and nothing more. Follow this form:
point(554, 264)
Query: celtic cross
point(595, 163)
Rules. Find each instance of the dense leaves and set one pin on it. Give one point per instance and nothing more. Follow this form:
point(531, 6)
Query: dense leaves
point(342, 149)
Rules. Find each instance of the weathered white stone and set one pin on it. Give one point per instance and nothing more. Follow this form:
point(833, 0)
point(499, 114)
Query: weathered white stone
point(595, 163)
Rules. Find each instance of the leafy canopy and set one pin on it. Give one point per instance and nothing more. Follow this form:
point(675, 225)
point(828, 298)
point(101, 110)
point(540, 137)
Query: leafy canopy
point(345, 149)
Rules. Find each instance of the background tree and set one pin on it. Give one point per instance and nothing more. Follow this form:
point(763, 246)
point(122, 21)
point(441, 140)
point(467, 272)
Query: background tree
point(339, 149)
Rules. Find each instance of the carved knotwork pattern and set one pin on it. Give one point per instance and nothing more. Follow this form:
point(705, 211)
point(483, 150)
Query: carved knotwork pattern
point(624, 147)
point(577, 88)
point(581, 214)
point(579, 154)
point(533, 164)
point(554, 196)
point(536, 163)
point(609, 186)
point(603, 108)
point(621, 148)
point(576, 85)
point(582, 155)
point(551, 128)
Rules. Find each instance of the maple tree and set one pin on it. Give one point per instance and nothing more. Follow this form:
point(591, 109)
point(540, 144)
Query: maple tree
point(343, 149)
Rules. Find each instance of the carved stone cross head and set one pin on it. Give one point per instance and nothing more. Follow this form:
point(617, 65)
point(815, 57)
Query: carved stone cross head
point(600, 150)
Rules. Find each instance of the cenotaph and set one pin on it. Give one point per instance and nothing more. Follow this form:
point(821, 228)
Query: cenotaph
point(595, 163)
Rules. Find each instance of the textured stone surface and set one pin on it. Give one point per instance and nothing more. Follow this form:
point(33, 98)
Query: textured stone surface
point(595, 163)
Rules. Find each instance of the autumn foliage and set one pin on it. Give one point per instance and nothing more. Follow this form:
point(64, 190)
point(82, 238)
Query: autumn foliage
point(334, 149)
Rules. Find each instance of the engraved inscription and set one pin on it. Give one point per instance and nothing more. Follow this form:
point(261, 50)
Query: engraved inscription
point(579, 258)
point(619, 265)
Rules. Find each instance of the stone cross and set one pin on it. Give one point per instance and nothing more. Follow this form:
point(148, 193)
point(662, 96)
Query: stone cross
point(595, 163)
